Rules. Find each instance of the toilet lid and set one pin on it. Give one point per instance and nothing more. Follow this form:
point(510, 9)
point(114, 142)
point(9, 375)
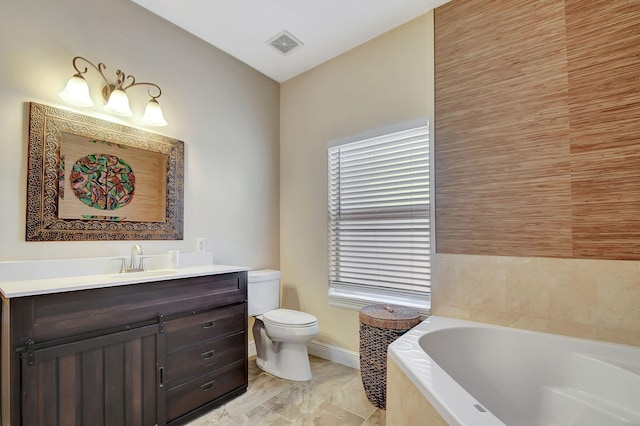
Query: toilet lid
point(289, 317)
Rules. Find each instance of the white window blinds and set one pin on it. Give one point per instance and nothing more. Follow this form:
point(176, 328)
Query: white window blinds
point(379, 224)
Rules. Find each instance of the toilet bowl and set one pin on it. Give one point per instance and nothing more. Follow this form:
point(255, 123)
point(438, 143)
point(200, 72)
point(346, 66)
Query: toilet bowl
point(280, 335)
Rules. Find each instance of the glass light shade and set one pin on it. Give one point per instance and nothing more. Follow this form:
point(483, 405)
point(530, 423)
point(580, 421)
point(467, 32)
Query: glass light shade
point(153, 114)
point(77, 92)
point(118, 103)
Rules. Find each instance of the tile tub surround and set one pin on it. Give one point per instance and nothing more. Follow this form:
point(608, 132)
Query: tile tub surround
point(334, 396)
point(594, 299)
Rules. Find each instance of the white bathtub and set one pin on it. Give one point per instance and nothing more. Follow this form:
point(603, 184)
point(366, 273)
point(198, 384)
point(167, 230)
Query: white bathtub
point(477, 374)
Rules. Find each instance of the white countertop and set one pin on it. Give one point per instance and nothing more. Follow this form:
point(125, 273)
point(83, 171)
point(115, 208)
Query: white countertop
point(59, 284)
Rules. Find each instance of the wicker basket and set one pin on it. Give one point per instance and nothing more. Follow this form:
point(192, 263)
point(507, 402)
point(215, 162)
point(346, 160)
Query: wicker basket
point(380, 325)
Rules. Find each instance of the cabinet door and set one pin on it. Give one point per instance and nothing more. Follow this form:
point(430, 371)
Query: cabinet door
point(110, 380)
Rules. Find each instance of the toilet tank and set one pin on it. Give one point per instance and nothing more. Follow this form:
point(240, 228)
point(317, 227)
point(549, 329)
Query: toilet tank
point(263, 291)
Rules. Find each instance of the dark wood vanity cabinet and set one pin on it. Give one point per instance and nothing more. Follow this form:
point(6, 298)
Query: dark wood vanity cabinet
point(153, 353)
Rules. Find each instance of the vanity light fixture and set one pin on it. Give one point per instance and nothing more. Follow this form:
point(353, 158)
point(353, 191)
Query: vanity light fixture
point(77, 93)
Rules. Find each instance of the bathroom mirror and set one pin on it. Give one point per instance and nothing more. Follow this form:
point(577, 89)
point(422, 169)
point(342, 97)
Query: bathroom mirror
point(90, 179)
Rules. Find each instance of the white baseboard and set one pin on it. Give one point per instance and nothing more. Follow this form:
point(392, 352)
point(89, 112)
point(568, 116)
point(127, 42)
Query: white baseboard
point(326, 351)
point(334, 354)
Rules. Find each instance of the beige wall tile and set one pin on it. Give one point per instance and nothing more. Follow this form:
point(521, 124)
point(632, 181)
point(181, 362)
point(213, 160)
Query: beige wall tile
point(488, 288)
point(596, 299)
point(573, 296)
point(619, 335)
point(527, 292)
point(618, 299)
point(451, 311)
point(519, 320)
point(575, 329)
point(618, 308)
point(489, 317)
point(453, 284)
point(450, 291)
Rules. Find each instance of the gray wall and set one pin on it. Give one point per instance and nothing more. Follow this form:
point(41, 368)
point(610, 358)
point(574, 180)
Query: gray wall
point(226, 113)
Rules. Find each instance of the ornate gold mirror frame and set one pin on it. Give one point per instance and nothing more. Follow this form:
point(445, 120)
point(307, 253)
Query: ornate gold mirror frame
point(90, 179)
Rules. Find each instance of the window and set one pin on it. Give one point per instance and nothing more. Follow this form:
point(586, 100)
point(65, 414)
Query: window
point(379, 208)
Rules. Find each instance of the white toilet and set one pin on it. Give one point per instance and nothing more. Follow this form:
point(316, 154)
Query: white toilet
point(281, 335)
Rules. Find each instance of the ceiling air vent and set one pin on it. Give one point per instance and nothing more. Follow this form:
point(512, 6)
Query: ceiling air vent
point(284, 42)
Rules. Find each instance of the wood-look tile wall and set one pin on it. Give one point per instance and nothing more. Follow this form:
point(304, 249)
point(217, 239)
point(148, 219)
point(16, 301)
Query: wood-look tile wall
point(537, 128)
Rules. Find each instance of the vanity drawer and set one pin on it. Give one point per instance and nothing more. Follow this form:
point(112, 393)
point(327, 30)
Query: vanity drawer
point(192, 330)
point(202, 359)
point(197, 392)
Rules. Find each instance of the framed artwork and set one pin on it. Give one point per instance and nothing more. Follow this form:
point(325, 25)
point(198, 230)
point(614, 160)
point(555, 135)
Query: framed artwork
point(90, 179)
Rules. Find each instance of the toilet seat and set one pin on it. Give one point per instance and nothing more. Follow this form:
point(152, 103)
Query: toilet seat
point(289, 318)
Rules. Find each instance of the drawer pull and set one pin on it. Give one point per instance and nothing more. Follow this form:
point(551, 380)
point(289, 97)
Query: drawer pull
point(207, 386)
point(208, 355)
point(208, 324)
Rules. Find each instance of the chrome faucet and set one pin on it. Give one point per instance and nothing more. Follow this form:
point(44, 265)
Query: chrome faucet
point(133, 265)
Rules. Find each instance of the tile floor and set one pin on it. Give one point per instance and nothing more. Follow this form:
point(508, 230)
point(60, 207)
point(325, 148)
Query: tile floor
point(334, 396)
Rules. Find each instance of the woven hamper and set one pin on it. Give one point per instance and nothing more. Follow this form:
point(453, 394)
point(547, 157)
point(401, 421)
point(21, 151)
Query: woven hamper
point(380, 325)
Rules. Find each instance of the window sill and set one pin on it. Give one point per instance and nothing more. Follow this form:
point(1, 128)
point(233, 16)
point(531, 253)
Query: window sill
point(354, 300)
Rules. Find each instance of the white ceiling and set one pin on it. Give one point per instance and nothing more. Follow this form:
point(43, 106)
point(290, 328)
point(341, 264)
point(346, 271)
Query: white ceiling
point(326, 28)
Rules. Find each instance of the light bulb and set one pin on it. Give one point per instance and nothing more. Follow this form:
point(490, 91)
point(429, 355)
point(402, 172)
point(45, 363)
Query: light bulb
point(118, 103)
point(153, 114)
point(77, 92)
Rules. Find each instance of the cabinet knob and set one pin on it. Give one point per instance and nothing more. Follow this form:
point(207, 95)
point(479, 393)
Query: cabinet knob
point(209, 324)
